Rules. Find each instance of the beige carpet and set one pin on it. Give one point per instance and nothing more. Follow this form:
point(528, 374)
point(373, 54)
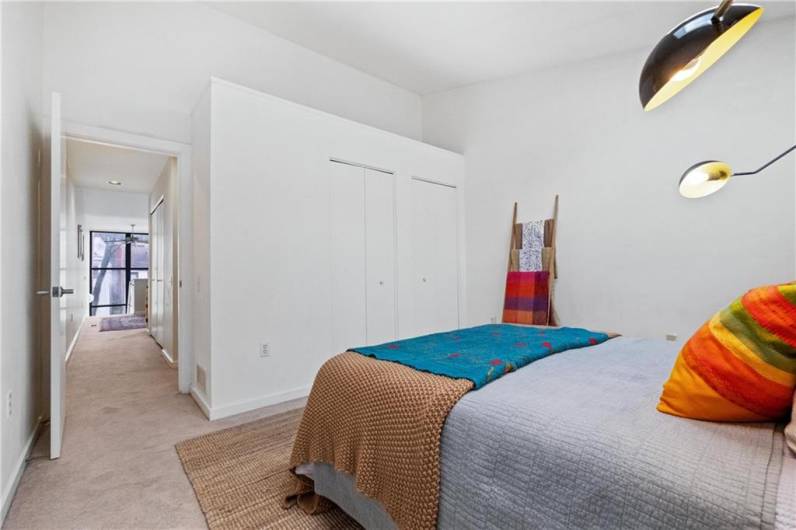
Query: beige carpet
point(118, 467)
point(240, 475)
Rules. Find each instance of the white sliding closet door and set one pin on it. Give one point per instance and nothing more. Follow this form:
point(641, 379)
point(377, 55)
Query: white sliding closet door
point(380, 255)
point(347, 242)
point(435, 257)
point(156, 273)
point(153, 271)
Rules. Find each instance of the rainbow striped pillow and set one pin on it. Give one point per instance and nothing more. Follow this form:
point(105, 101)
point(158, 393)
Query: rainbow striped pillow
point(740, 365)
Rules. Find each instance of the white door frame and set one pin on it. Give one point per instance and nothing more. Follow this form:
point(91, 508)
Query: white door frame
point(184, 200)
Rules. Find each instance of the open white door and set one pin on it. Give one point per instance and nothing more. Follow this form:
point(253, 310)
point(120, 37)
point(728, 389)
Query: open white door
point(56, 276)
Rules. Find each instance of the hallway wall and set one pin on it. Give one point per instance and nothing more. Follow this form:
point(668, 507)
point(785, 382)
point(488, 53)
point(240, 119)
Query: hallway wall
point(75, 270)
point(113, 211)
point(21, 143)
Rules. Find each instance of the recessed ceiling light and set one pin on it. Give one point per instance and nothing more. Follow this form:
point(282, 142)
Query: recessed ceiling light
point(115, 182)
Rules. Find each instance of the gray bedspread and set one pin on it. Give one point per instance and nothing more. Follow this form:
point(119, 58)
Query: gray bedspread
point(574, 441)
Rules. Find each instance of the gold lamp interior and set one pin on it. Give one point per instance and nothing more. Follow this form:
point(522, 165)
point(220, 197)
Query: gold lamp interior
point(704, 179)
point(704, 60)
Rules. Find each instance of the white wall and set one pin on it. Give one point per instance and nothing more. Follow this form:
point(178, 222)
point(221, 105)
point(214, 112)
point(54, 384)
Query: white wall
point(141, 67)
point(103, 210)
point(113, 211)
point(75, 272)
point(633, 255)
point(262, 234)
point(21, 141)
point(200, 317)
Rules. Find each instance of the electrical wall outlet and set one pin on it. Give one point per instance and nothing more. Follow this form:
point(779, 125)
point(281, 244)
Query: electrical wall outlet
point(10, 404)
point(671, 337)
point(265, 350)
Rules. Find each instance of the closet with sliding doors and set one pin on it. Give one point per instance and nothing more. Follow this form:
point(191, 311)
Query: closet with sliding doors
point(362, 239)
point(313, 234)
point(159, 296)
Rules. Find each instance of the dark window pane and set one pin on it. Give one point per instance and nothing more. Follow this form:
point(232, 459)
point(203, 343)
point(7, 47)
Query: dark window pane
point(139, 259)
point(108, 250)
point(108, 287)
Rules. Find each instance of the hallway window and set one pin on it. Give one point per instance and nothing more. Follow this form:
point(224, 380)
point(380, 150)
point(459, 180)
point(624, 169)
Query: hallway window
point(116, 259)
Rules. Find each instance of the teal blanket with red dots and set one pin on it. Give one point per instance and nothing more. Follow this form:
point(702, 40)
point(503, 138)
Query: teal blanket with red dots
point(484, 353)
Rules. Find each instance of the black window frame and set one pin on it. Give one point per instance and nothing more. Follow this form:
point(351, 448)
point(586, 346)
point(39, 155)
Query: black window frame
point(128, 268)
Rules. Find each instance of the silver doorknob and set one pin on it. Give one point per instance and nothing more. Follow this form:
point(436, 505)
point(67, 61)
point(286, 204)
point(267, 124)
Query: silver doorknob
point(59, 291)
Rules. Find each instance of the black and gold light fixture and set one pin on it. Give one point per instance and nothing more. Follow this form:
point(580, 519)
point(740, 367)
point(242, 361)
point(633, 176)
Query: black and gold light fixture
point(691, 48)
point(705, 178)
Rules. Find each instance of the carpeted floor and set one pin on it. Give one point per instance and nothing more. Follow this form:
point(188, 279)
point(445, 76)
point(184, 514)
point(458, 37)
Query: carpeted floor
point(240, 476)
point(119, 468)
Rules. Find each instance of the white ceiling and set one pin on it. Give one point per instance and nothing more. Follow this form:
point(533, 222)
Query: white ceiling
point(435, 46)
point(92, 165)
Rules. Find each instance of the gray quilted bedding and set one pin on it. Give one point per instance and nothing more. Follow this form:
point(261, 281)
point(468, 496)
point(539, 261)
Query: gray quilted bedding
point(574, 441)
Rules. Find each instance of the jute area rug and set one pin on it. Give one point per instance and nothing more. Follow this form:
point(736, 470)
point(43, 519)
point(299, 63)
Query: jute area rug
point(240, 475)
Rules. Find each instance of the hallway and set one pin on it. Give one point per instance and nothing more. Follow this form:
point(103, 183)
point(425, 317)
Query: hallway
point(118, 468)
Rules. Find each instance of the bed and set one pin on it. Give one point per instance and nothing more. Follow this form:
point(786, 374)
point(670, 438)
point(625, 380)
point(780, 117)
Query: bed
point(574, 441)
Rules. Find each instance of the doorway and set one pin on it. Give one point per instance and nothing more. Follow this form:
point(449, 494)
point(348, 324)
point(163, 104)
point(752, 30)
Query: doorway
point(179, 197)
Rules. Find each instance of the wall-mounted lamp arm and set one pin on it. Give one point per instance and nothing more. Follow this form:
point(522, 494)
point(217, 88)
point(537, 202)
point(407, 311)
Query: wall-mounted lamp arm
point(764, 166)
point(721, 9)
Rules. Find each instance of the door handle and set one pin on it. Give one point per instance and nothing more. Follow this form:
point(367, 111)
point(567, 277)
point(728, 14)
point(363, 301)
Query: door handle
point(59, 291)
point(43, 293)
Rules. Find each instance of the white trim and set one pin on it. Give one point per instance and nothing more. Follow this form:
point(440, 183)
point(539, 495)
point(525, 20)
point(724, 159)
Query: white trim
point(432, 181)
point(103, 135)
point(182, 152)
point(201, 401)
point(224, 411)
point(363, 166)
point(158, 203)
point(167, 356)
point(74, 339)
point(11, 490)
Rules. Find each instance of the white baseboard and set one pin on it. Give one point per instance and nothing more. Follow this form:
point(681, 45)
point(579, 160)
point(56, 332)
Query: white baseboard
point(19, 469)
point(200, 400)
point(224, 411)
point(168, 357)
point(74, 339)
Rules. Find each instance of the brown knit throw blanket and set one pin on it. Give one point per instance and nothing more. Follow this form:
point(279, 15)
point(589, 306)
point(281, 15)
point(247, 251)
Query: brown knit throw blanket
point(380, 422)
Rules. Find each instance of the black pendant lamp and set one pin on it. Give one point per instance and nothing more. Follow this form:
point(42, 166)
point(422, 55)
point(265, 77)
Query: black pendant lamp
point(691, 48)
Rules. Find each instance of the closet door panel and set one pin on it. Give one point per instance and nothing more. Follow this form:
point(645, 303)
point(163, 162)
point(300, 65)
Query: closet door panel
point(162, 337)
point(347, 244)
point(380, 255)
point(153, 274)
point(435, 257)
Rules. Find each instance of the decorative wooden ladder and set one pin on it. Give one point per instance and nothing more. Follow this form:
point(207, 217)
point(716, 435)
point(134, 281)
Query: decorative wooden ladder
point(548, 255)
